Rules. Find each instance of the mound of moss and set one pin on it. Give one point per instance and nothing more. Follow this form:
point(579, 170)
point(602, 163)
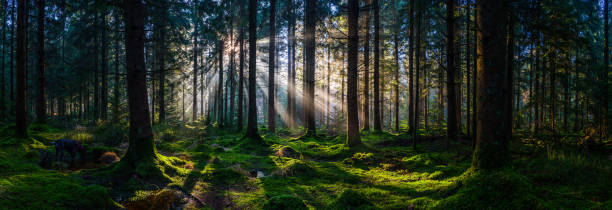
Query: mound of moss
point(282, 202)
point(51, 190)
point(351, 199)
point(500, 189)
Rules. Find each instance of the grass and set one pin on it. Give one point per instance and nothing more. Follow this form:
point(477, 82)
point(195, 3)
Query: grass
point(216, 169)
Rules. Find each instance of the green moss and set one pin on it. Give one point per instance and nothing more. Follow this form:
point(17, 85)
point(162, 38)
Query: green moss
point(350, 199)
point(503, 189)
point(282, 202)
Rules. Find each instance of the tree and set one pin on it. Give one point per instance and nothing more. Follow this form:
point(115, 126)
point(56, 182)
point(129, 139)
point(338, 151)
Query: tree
point(141, 146)
point(252, 113)
point(377, 116)
point(309, 67)
point(40, 102)
point(161, 61)
point(604, 79)
point(195, 67)
point(352, 137)
point(291, 104)
point(492, 95)
point(411, 109)
point(366, 72)
point(20, 105)
point(241, 67)
point(271, 84)
point(452, 126)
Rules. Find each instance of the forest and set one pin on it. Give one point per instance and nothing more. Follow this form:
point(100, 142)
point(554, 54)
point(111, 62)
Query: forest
point(305, 104)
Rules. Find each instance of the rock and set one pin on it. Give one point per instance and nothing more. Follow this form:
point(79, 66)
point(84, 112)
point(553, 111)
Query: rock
point(287, 152)
point(108, 158)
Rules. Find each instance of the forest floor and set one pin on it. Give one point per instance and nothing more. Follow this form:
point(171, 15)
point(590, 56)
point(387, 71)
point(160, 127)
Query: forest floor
point(207, 168)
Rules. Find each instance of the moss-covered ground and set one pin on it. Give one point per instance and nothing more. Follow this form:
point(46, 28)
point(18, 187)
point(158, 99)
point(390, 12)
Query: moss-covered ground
point(207, 168)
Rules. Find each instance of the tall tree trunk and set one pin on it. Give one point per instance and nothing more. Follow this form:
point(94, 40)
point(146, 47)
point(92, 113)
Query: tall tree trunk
point(104, 90)
point(377, 107)
point(509, 64)
point(96, 95)
point(162, 62)
point(41, 103)
point(468, 70)
point(417, 73)
point(241, 67)
point(20, 106)
point(412, 94)
point(366, 71)
point(194, 114)
point(492, 95)
point(252, 118)
point(353, 137)
point(605, 80)
point(220, 91)
point(271, 65)
point(309, 67)
point(141, 147)
point(117, 91)
point(2, 55)
point(232, 92)
point(397, 68)
point(291, 104)
point(452, 126)
point(327, 104)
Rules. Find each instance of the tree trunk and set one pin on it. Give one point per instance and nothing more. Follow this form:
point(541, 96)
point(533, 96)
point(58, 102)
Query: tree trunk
point(252, 118)
point(492, 96)
point(377, 107)
point(162, 62)
point(451, 120)
point(221, 106)
point(397, 68)
point(417, 73)
point(309, 67)
point(291, 66)
point(411, 70)
point(141, 147)
point(194, 108)
point(604, 80)
point(2, 55)
point(96, 54)
point(41, 103)
point(232, 92)
point(117, 90)
point(20, 106)
point(241, 67)
point(366, 72)
point(509, 65)
point(271, 54)
point(353, 137)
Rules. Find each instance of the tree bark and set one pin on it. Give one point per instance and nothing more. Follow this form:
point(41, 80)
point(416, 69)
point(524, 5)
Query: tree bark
point(241, 67)
point(271, 65)
point(366, 71)
point(252, 113)
point(492, 95)
point(194, 114)
point(353, 137)
point(20, 105)
point(162, 62)
point(451, 120)
point(411, 70)
point(377, 107)
point(141, 147)
point(309, 67)
point(41, 103)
